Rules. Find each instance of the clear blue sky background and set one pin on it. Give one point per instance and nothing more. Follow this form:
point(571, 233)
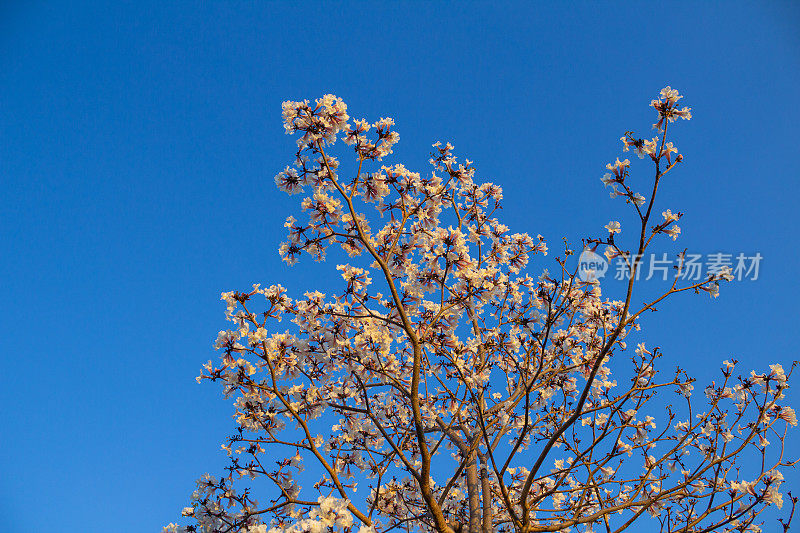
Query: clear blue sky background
point(138, 144)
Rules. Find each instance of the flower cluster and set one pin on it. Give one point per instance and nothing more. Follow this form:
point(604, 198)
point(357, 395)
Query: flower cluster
point(667, 107)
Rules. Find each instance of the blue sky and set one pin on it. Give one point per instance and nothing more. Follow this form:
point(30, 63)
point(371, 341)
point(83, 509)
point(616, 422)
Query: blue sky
point(139, 142)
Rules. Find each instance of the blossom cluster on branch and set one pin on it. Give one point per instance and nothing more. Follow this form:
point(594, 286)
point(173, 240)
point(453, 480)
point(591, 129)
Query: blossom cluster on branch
point(444, 388)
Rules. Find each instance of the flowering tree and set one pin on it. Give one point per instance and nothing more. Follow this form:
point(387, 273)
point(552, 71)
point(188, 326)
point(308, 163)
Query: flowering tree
point(443, 388)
